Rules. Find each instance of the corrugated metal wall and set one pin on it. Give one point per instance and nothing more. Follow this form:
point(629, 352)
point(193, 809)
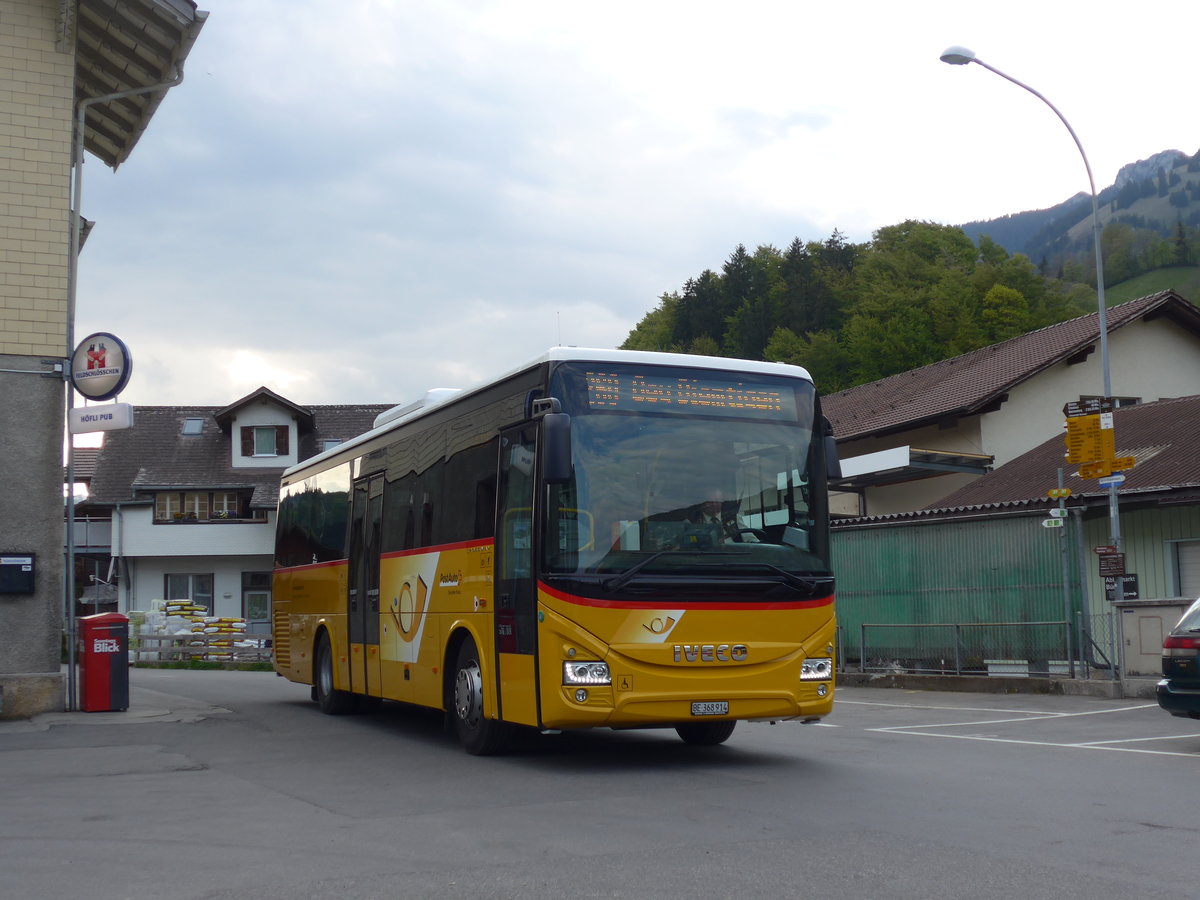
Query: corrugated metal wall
point(971, 570)
point(1148, 537)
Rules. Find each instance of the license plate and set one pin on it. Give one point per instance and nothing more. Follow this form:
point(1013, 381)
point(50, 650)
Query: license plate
point(711, 708)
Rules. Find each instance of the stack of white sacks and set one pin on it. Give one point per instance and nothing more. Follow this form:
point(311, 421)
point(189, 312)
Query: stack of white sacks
point(211, 637)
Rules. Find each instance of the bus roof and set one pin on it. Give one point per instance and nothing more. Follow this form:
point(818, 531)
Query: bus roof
point(435, 398)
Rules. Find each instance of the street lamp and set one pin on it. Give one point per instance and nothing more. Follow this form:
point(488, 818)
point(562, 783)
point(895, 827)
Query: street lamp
point(961, 56)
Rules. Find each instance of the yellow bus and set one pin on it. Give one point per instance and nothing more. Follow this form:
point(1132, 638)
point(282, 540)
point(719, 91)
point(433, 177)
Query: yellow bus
point(601, 538)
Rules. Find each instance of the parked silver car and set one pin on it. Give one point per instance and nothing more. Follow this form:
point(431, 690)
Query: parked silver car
point(1179, 690)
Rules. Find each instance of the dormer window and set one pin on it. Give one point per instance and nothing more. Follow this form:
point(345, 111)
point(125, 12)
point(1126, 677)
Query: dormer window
point(264, 440)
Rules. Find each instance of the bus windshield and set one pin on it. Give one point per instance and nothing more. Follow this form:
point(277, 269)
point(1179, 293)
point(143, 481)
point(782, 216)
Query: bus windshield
point(704, 474)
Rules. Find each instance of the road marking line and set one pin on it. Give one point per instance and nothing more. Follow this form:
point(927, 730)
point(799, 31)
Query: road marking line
point(1027, 712)
point(1167, 737)
point(972, 737)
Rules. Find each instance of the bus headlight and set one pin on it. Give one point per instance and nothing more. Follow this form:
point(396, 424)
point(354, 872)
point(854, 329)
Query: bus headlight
point(586, 673)
point(817, 668)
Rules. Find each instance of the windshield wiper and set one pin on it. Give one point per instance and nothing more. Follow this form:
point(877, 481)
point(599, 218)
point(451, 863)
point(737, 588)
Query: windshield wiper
point(619, 581)
point(803, 584)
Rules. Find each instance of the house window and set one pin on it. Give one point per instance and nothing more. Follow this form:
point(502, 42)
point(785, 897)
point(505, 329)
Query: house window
point(265, 440)
point(330, 443)
point(224, 505)
point(256, 597)
point(195, 505)
point(193, 426)
point(167, 506)
point(1187, 565)
point(196, 588)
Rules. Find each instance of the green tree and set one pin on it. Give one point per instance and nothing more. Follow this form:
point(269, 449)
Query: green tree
point(656, 330)
point(1180, 252)
point(700, 311)
point(1005, 313)
point(822, 353)
point(704, 346)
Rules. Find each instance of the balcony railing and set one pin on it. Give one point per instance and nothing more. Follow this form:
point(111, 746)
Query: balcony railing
point(92, 534)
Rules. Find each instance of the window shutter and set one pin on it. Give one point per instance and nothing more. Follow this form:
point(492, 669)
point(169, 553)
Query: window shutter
point(281, 440)
point(247, 440)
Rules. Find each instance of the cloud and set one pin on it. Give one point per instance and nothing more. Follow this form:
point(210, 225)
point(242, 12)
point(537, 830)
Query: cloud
point(355, 202)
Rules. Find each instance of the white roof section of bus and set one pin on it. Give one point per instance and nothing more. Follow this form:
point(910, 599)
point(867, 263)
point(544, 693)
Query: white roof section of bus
point(435, 398)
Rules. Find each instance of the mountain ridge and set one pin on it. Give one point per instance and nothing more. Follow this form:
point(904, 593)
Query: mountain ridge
point(1153, 193)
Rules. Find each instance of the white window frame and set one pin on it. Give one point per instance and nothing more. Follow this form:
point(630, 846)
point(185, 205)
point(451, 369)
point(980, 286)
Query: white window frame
point(1185, 560)
point(195, 504)
point(193, 587)
point(167, 506)
point(224, 504)
point(261, 433)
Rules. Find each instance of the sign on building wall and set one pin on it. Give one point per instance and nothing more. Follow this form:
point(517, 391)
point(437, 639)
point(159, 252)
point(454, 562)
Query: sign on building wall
point(101, 366)
point(111, 417)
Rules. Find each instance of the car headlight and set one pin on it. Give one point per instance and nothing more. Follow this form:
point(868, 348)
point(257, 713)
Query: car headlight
point(589, 672)
point(817, 668)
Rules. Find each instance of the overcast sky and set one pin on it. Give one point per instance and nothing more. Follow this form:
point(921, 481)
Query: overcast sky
point(353, 201)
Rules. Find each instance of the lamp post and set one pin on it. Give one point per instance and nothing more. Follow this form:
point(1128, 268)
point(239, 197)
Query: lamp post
point(961, 56)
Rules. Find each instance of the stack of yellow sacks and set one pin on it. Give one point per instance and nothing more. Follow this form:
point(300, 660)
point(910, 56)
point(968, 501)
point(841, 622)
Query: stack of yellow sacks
point(219, 632)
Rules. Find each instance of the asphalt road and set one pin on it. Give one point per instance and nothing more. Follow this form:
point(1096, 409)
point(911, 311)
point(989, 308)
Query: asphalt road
point(231, 784)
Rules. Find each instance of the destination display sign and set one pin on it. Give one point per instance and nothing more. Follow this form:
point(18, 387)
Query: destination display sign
point(691, 394)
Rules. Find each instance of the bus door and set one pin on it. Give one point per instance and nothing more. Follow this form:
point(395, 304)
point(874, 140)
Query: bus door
point(366, 515)
point(515, 586)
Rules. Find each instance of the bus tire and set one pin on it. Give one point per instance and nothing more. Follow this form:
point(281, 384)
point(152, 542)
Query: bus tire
point(332, 701)
point(480, 736)
point(705, 734)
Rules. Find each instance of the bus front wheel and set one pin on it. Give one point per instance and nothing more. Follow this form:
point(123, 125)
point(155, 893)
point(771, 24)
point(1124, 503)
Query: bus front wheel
point(706, 734)
point(480, 735)
point(332, 701)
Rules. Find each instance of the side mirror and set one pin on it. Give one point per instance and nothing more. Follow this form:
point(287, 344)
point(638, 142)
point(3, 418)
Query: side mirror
point(556, 448)
point(833, 465)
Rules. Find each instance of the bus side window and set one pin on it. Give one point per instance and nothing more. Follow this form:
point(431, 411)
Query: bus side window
point(518, 539)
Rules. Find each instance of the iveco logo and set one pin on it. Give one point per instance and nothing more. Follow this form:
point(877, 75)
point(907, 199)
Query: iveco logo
point(711, 652)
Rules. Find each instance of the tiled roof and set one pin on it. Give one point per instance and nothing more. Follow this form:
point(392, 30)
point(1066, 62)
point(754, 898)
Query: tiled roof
point(970, 383)
point(1162, 437)
point(156, 454)
point(85, 464)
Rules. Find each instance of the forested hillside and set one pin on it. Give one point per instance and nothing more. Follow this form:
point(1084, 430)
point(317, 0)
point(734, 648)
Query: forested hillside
point(1150, 216)
point(852, 313)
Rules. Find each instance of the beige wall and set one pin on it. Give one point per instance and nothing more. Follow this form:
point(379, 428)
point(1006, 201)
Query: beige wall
point(1148, 360)
point(36, 86)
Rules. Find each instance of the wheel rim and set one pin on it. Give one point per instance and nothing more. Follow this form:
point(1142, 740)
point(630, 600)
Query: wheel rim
point(468, 694)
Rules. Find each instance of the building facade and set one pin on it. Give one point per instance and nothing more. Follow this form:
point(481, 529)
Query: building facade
point(190, 495)
point(53, 55)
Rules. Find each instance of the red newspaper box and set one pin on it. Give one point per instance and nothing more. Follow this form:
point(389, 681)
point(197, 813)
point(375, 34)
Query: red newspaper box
point(104, 662)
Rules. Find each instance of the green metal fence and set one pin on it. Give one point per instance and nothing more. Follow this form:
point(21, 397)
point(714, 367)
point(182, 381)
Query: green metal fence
point(954, 595)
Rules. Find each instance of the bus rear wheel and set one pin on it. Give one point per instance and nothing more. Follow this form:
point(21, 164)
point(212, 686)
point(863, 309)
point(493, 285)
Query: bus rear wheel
point(705, 734)
point(480, 736)
point(332, 701)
